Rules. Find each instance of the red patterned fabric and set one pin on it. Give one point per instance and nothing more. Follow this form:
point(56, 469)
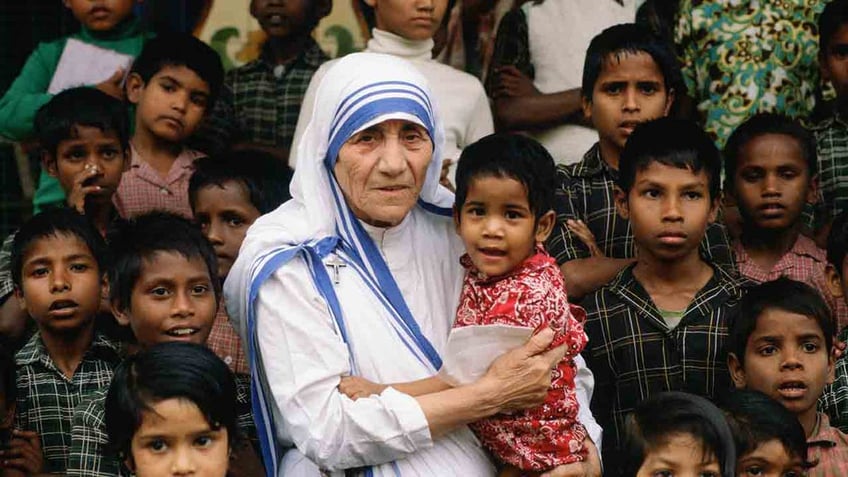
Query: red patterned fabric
point(532, 295)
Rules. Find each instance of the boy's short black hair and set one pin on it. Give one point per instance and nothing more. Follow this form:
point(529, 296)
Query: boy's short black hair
point(371, 18)
point(627, 39)
point(181, 49)
point(171, 370)
point(782, 294)
point(58, 119)
point(660, 416)
point(141, 238)
point(673, 142)
point(265, 178)
point(768, 123)
point(831, 19)
point(756, 419)
point(512, 156)
point(54, 223)
point(837, 241)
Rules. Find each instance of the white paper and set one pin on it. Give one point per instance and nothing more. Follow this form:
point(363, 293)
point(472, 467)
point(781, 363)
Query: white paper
point(471, 349)
point(83, 64)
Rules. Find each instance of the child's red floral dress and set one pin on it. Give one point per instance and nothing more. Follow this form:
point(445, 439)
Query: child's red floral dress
point(531, 295)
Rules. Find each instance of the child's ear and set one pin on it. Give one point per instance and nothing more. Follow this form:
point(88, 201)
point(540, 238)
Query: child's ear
point(586, 105)
point(833, 281)
point(813, 190)
point(669, 101)
point(737, 371)
point(621, 204)
point(122, 315)
point(48, 162)
point(371, 3)
point(715, 204)
point(134, 87)
point(831, 363)
point(129, 463)
point(544, 226)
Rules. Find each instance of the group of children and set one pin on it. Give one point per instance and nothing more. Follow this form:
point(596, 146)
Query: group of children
point(677, 311)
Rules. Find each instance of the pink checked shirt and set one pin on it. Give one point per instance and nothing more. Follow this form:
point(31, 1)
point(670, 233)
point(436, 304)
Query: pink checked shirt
point(225, 343)
point(531, 295)
point(828, 447)
point(805, 262)
point(143, 189)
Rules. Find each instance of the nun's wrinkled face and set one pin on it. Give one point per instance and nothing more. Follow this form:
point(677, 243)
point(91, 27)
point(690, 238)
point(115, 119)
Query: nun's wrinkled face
point(381, 170)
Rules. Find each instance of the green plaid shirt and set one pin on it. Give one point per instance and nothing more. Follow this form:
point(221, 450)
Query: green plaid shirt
point(90, 454)
point(832, 148)
point(7, 286)
point(834, 400)
point(634, 354)
point(585, 192)
point(47, 398)
point(256, 105)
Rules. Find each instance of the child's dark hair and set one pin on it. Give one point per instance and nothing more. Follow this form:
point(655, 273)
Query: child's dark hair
point(171, 370)
point(511, 156)
point(673, 142)
point(837, 242)
point(56, 223)
point(628, 39)
point(768, 123)
point(782, 294)
point(663, 415)
point(59, 118)
point(756, 419)
point(142, 238)
point(831, 19)
point(181, 49)
point(265, 178)
point(371, 18)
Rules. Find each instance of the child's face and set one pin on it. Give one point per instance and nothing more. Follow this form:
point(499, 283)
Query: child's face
point(175, 439)
point(60, 283)
point(786, 358)
point(834, 62)
point(629, 90)
point(283, 19)
point(224, 214)
point(497, 226)
point(172, 300)
point(669, 210)
point(411, 19)
point(102, 15)
point(770, 459)
point(171, 105)
point(772, 182)
point(94, 158)
point(681, 456)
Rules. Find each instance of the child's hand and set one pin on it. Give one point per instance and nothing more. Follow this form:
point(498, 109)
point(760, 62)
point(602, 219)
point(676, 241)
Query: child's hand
point(113, 85)
point(355, 387)
point(581, 230)
point(512, 83)
point(83, 185)
point(24, 453)
point(444, 180)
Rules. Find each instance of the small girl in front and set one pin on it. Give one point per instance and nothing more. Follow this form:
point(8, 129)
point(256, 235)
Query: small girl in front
point(504, 213)
point(677, 434)
point(171, 411)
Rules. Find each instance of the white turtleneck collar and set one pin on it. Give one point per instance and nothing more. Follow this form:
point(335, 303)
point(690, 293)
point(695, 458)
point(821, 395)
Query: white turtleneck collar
point(390, 44)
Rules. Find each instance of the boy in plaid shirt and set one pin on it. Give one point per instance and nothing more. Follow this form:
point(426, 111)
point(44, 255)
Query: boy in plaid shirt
point(661, 323)
point(58, 264)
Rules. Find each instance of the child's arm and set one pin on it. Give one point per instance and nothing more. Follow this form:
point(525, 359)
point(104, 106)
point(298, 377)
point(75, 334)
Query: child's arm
point(28, 92)
point(585, 275)
point(355, 387)
point(23, 454)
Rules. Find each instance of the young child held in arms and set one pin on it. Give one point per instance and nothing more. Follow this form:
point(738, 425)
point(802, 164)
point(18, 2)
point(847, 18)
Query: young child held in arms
point(108, 24)
point(503, 213)
point(770, 441)
point(58, 265)
point(227, 194)
point(163, 286)
point(173, 83)
point(769, 165)
point(782, 345)
point(629, 77)
point(660, 324)
point(676, 434)
point(171, 411)
point(84, 138)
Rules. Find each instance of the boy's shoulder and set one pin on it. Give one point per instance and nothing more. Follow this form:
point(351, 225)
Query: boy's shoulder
point(826, 120)
point(102, 348)
point(829, 447)
point(311, 58)
point(590, 167)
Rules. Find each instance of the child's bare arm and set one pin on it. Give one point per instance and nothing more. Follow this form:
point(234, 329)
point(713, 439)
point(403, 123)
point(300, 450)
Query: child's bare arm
point(585, 275)
point(355, 387)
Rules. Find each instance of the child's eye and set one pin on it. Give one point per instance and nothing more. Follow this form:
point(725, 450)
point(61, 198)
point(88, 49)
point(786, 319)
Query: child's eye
point(789, 174)
point(692, 195)
point(512, 214)
point(109, 153)
point(39, 272)
point(79, 267)
point(204, 441)
point(663, 473)
point(613, 88)
point(199, 100)
point(160, 292)
point(169, 87)
point(157, 445)
point(477, 211)
point(235, 221)
point(768, 350)
point(708, 474)
point(810, 347)
point(648, 88)
point(754, 470)
point(651, 193)
point(199, 289)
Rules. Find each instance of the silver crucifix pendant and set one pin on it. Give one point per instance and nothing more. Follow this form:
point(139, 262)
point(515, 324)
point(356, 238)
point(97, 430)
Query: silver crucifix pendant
point(335, 264)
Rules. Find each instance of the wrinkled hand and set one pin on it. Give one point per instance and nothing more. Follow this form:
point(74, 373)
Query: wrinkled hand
point(581, 230)
point(113, 85)
point(355, 387)
point(444, 178)
point(512, 83)
point(24, 453)
point(523, 375)
point(590, 467)
point(82, 186)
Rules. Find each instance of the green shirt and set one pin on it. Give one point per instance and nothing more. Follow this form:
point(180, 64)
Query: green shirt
point(29, 90)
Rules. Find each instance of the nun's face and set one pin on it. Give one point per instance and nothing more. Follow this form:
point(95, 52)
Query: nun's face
point(381, 170)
